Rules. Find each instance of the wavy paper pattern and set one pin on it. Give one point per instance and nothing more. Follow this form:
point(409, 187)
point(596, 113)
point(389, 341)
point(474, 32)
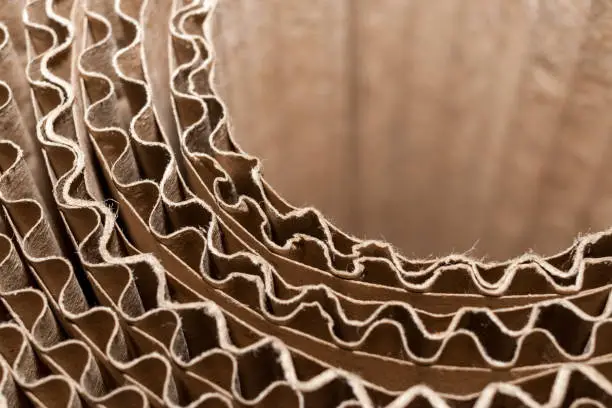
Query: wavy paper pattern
point(145, 262)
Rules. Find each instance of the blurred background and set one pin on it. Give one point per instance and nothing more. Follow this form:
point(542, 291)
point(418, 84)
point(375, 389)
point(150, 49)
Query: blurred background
point(439, 126)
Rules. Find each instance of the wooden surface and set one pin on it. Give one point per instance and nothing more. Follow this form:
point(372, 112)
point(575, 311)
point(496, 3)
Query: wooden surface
point(438, 126)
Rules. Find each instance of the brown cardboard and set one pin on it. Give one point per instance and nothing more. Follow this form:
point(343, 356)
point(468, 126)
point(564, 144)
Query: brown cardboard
point(145, 261)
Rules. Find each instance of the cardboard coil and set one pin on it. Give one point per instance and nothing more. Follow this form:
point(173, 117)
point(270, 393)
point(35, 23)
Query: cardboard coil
point(144, 260)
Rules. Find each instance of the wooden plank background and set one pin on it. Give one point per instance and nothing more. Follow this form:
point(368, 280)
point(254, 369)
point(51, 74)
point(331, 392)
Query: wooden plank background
point(440, 126)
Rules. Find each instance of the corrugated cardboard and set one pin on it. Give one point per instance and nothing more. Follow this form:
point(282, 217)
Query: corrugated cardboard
point(146, 262)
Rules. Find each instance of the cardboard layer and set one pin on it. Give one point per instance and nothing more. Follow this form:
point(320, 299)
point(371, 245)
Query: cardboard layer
point(445, 127)
point(145, 261)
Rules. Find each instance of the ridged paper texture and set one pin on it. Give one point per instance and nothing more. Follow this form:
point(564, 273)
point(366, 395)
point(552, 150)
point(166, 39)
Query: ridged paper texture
point(146, 262)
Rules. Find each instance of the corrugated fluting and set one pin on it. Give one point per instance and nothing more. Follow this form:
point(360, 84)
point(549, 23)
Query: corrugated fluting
point(145, 261)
